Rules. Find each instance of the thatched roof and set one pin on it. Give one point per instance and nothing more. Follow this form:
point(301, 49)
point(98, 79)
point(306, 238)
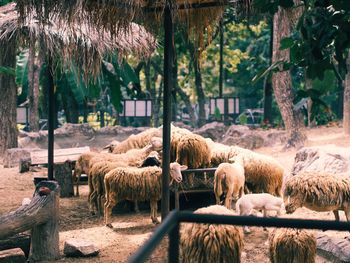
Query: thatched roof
point(83, 44)
point(112, 15)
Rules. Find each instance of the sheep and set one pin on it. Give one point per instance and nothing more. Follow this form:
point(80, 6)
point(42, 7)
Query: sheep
point(211, 242)
point(262, 173)
point(192, 151)
point(142, 184)
point(229, 176)
point(176, 135)
point(98, 169)
point(318, 191)
point(263, 201)
point(292, 246)
point(98, 172)
point(137, 141)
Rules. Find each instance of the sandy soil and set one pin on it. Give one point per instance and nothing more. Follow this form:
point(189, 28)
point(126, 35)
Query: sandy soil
point(131, 229)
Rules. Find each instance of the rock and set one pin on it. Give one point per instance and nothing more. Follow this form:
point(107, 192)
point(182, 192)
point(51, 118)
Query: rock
point(79, 248)
point(14, 255)
point(236, 131)
point(334, 248)
point(12, 156)
point(70, 128)
point(248, 141)
point(213, 130)
point(24, 165)
point(333, 160)
point(182, 125)
point(120, 130)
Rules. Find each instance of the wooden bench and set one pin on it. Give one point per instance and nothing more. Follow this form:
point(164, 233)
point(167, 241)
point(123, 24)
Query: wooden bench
point(178, 189)
point(64, 160)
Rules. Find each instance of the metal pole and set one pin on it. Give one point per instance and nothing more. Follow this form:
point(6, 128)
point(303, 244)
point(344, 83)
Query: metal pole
point(168, 63)
point(174, 239)
point(221, 76)
point(51, 117)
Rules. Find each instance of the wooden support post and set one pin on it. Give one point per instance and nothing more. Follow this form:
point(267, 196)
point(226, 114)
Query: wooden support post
point(21, 241)
point(40, 215)
point(177, 197)
point(63, 175)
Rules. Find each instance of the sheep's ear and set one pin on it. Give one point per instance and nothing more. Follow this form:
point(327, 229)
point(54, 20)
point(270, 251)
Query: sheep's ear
point(183, 167)
point(156, 142)
point(232, 159)
point(107, 147)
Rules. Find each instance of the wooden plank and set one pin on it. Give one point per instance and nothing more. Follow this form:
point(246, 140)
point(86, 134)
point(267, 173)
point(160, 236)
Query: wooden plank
point(60, 155)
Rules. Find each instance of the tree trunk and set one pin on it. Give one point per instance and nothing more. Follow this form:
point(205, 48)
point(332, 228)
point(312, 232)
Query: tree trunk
point(41, 215)
point(310, 123)
point(268, 101)
point(8, 98)
point(200, 92)
point(346, 111)
point(282, 82)
point(34, 66)
point(188, 105)
point(70, 106)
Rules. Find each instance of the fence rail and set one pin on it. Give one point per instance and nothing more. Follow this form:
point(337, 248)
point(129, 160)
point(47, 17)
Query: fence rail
point(171, 224)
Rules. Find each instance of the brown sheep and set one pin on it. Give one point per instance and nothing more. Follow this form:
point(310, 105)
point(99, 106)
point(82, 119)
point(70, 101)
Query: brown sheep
point(292, 246)
point(211, 242)
point(318, 191)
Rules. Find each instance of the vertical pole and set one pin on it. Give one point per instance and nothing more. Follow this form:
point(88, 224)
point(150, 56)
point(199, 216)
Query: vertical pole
point(51, 117)
point(221, 76)
point(168, 63)
point(174, 238)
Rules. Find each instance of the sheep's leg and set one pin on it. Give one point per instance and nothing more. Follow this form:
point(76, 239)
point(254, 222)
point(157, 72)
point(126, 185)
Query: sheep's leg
point(110, 203)
point(154, 207)
point(136, 207)
point(77, 180)
point(217, 198)
point(336, 215)
point(347, 214)
point(228, 198)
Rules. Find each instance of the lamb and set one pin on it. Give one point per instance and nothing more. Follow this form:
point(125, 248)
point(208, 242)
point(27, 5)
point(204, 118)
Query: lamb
point(137, 141)
point(229, 178)
point(264, 201)
point(142, 184)
point(192, 151)
point(292, 246)
point(318, 191)
point(211, 242)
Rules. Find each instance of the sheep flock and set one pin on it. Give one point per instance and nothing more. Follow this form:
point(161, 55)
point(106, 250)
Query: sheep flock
point(245, 182)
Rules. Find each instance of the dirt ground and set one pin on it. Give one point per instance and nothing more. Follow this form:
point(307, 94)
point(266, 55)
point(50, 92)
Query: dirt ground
point(132, 229)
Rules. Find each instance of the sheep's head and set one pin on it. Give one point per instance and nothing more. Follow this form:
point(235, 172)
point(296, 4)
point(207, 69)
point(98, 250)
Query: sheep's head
point(175, 171)
point(291, 206)
point(111, 146)
point(156, 143)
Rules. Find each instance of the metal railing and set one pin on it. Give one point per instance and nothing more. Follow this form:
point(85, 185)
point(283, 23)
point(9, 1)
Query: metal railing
point(172, 222)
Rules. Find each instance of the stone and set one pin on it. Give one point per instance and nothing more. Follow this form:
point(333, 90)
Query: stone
point(334, 248)
point(80, 248)
point(14, 255)
point(332, 159)
point(213, 130)
point(236, 131)
point(12, 156)
point(248, 141)
point(24, 165)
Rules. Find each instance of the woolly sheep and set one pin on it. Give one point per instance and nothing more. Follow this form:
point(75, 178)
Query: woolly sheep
point(211, 242)
point(192, 151)
point(229, 179)
point(142, 184)
point(137, 141)
point(262, 173)
point(292, 246)
point(176, 135)
point(247, 203)
point(133, 157)
point(318, 191)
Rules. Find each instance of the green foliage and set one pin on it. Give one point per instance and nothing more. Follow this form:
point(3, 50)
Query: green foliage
point(5, 2)
point(217, 113)
point(7, 71)
point(243, 119)
point(22, 75)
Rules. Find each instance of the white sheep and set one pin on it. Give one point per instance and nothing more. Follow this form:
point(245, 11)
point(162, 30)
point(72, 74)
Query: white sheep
point(111, 146)
point(141, 184)
point(318, 191)
point(266, 202)
point(288, 245)
point(210, 242)
point(229, 179)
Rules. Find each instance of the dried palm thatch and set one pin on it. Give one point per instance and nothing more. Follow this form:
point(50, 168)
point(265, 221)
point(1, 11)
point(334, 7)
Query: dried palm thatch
point(200, 16)
point(81, 43)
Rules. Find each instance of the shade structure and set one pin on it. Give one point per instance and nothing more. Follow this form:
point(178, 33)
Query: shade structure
point(83, 44)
